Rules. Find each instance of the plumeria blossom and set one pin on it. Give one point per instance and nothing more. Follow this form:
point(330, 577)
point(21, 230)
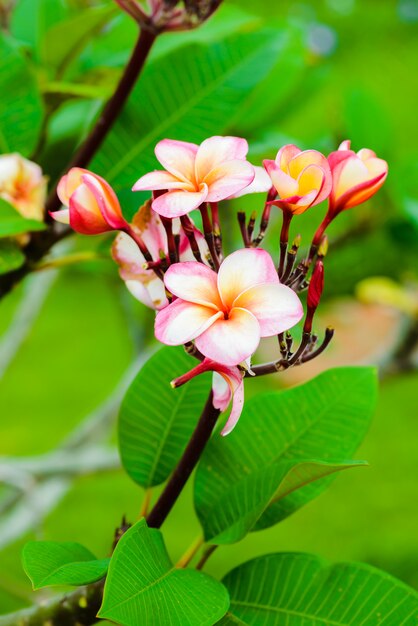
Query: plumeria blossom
point(227, 385)
point(144, 284)
point(227, 313)
point(92, 205)
point(213, 171)
point(23, 185)
point(301, 178)
point(355, 177)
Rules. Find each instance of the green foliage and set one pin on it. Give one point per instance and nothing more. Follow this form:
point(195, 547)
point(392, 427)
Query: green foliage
point(21, 110)
point(198, 87)
point(143, 587)
point(283, 442)
point(12, 223)
point(156, 421)
point(51, 563)
point(11, 256)
point(64, 40)
point(301, 590)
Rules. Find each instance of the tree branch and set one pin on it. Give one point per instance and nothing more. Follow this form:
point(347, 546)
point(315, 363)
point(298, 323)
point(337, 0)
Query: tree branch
point(43, 241)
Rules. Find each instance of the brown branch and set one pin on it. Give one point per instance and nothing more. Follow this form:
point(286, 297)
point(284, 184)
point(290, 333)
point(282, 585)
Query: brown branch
point(42, 242)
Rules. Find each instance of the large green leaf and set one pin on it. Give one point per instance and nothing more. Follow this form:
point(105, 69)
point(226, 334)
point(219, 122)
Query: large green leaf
point(11, 256)
point(143, 587)
point(53, 563)
point(197, 88)
point(283, 442)
point(156, 421)
point(301, 590)
point(21, 110)
point(12, 223)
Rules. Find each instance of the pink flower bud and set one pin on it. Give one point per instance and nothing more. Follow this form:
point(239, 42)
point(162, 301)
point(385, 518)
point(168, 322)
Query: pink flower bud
point(316, 286)
point(355, 177)
point(93, 207)
point(23, 185)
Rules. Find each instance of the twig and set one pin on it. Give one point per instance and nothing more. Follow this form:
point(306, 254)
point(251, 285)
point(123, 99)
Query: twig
point(43, 241)
point(186, 465)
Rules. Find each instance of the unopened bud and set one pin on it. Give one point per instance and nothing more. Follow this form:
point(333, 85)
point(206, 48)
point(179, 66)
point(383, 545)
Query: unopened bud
point(323, 247)
point(316, 286)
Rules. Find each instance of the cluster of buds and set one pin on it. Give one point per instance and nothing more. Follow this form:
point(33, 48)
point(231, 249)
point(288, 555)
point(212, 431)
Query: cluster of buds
point(169, 15)
point(221, 306)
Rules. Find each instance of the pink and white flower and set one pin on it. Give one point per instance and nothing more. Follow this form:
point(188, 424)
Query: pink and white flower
point(226, 314)
point(213, 171)
point(356, 177)
point(301, 178)
point(227, 385)
point(93, 207)
point(23, 185)
point(144, 284)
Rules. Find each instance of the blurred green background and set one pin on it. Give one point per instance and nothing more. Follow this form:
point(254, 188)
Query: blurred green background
point(322, 71)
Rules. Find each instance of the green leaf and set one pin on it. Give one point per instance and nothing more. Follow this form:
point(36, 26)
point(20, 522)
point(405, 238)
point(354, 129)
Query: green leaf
point(11, 256)
point(63, 41)
point(302, 590)
point(198, 87)
point(12, 223)
point(53, 563)
point(156, 421)
point(283, 442)
point(21, 110)
point(143, 587)
point(31, 19)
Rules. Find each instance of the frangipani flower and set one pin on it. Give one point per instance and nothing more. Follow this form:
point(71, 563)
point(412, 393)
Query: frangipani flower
point(355, 177)
point(93, 207)
point(301, 178)
point(213, 171)
point(227, 313)
point(227, 385)
point(23, 185)
point(143, 283)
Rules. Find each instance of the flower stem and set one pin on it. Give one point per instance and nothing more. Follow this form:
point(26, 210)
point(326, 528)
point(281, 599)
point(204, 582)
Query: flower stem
point(43, 241)
point(186, 465)
point(111, 111)
point(190, 552)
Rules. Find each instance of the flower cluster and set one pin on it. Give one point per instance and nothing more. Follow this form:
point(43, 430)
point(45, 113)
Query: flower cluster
point(220, 306)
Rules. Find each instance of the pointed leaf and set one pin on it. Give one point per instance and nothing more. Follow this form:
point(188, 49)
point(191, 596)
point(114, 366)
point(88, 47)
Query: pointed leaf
point(283, 442)
point(302, 590)
point(143, 587)
point(156, 421)
point(50, 563)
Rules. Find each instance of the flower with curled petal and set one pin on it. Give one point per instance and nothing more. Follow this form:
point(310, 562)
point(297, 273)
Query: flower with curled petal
point(93, 207)
point(355, 177)
point(301, 178)
point(226, 314)
point(213, 171)
point(227, 385)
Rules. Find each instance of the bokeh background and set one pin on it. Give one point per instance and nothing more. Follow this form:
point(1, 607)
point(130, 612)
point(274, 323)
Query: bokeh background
point(71, 339)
